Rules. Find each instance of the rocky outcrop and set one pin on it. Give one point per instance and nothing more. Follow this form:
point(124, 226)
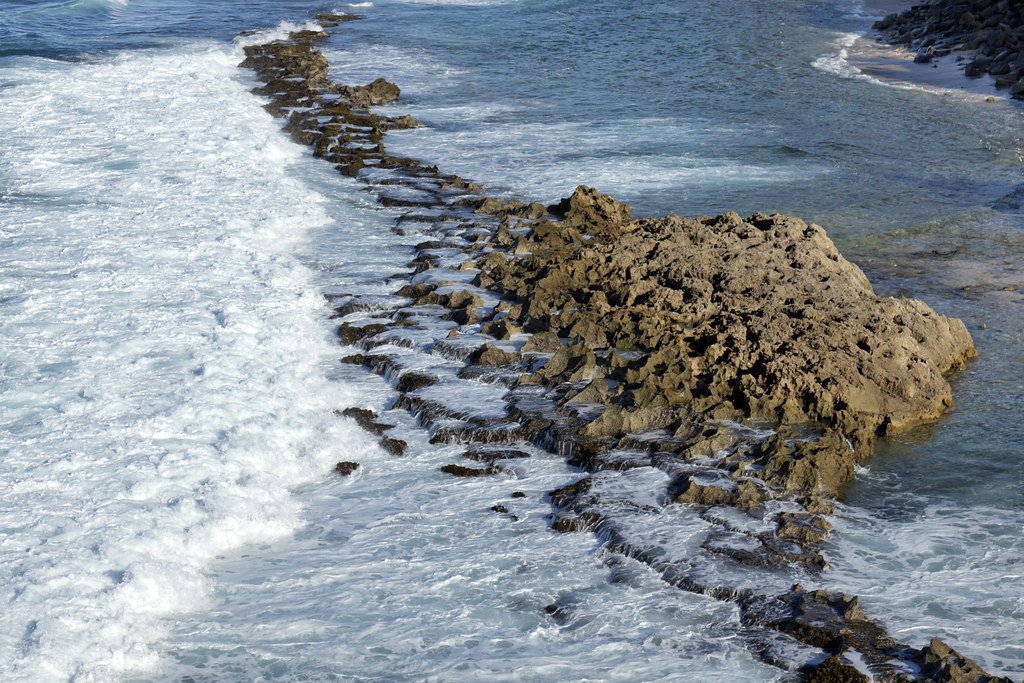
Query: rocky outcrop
point(991, 32)
point(744, 358)
point(758, 319)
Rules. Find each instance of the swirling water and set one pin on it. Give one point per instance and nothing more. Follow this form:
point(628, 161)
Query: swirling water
point(168, 379)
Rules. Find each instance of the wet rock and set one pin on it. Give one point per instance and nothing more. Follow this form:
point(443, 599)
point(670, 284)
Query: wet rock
point(403, 122)
point(395, 447)
point(350, 334)
point(462, 471)
point(376, 93)
point(492, 355)
point(331, 20)
point(804, 529)
point(411, 381)
point(939, 662)
point(569, 523)
point(501, 509)
point(818, 465)
point(705, 495)
point(367, 419)
point(491, 455)
point(830, 621)
point(346, 468)
point(567, 495)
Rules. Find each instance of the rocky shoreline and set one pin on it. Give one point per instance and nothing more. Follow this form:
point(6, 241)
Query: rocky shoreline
point(987, 36)
point(744, 362)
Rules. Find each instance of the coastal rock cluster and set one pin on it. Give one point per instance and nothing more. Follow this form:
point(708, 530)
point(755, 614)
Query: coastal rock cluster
point(992, 33)
point(331, 117)
point(733, 319)
point(743, 363)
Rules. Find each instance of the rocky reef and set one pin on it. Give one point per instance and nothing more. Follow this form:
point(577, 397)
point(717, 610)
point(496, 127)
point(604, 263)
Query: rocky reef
point(990, 34)
point(742, 365)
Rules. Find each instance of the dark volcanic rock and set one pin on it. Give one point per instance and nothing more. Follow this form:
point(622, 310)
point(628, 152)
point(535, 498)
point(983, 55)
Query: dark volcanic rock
point(346, 468)
point(367, 419)
point(411, 381)
point(461, 471)
point(393, 446)
point(830, 621)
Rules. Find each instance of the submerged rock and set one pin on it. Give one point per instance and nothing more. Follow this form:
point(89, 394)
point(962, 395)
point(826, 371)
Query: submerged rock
point(393, 446)
point(367, 419)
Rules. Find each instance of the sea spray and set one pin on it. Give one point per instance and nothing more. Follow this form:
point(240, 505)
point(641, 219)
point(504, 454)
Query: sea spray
point(163, 386)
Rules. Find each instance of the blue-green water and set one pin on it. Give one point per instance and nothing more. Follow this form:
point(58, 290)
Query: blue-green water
point(168, 381)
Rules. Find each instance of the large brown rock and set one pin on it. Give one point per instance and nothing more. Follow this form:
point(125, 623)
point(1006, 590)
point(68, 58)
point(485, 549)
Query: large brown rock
point(738, 319)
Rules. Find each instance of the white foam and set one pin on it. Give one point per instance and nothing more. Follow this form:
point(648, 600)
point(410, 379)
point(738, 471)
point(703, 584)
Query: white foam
point(938, 571)
point(278, 32)
point(839, 63)
point(89, 4)
point(407, 572)
point(162, 387)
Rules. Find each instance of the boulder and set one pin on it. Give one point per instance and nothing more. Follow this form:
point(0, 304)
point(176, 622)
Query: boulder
point(346, 468)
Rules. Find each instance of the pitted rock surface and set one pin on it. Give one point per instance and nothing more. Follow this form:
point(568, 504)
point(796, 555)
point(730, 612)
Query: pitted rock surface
point(758, 319)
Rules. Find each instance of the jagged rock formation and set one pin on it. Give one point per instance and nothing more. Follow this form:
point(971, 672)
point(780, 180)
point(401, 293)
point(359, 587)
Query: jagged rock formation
point(760, 319)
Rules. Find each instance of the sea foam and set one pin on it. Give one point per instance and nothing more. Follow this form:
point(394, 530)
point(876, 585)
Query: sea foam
point(162, 387)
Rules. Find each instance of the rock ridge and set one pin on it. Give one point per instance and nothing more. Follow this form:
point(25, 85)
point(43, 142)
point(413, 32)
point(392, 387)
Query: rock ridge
point(744, 359)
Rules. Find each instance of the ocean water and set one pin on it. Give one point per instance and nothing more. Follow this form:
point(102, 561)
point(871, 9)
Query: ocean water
point(169, 376)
